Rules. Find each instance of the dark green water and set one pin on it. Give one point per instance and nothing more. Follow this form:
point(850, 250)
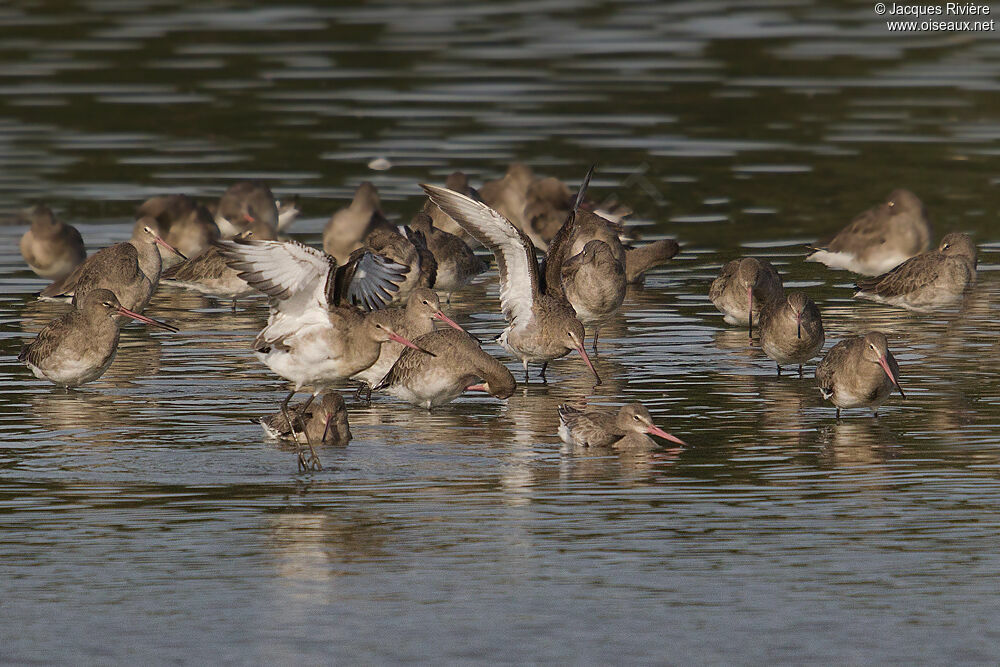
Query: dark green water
point(145, 518)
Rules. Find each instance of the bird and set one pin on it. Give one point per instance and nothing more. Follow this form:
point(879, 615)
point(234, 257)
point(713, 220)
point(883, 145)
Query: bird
point(594, 283)
point(458, 182)
point(288, 212)
point(791, 330)
point(415, 319)
point(321, 422)
point(130, 269)
point(542, 325)
point(348, 227)
point(79, 346)
point(625, 429)
point(643, 258)
point(316, 334)
point(878, 239)
point(743, 288)
point(50, 247)
point(507, 195)
point(247, 205)
point(459, 365)
point(362, 225)
point(457, 264)
point(208, 273)
point(180, 221)
point(859, 372)
point(928, 281)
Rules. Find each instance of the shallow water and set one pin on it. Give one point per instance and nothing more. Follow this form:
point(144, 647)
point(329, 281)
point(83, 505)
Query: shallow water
point(145, 517)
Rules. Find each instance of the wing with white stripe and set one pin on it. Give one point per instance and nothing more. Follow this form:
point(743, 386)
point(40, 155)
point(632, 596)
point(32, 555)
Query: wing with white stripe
point(294, 275)
point(514, 252)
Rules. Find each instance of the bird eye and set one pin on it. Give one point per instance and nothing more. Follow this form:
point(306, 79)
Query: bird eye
point(945, 246)
point(148, 230)
point(635, 417)
point(871, 346)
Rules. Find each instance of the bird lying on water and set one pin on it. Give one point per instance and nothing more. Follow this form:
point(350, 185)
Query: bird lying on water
point(931, 280)
point(79, 346)
point(625, 429)
point(180, 221)
point(859, 372)
point(541, 323)
point(208, 273)
point(878, 239)
point(457, 265)
point(50, 247)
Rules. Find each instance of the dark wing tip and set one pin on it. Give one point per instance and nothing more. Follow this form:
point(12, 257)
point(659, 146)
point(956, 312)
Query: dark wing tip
point(582, 192)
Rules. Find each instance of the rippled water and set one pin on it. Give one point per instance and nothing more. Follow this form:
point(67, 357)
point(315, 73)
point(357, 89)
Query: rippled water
point(145, 517)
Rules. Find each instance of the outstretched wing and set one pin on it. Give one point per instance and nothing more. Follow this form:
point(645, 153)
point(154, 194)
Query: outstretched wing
point(560, 247)
point(367, 280)
point(294, 275)
point(513, 249)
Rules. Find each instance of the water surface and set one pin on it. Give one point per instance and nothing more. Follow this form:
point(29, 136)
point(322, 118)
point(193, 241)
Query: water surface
point(144, 517)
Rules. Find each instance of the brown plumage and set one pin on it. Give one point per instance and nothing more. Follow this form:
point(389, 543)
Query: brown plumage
point(413, 320)
point(625, 429)
point(323, 421)
point(791, 330)
point(642, 259)
point(508, 195)
point(878, 239)
point(541, 324)
point(348, 227)
point(931, 280)
point(594, 283)
point(458, 182)
point(79, 346)
point(209, 273)
point(457, 265)
point(130, 269)
point(247, 205)
point(859, 372)
point(180, 221)
point(458, 364)
point(50, 247)
point(743, 288)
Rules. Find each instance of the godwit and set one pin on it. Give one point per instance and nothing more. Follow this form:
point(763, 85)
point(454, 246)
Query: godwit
point(542, 325)
point(51, 248)
point(247, 205)
point(458, 365)
point(859, 372)
point(932, 280)
point(130, 269)
point(457, 265)
point(458, 182)
point(178, 220)
point(743, 288)
point(642, 259)
point(208, 273)
point(80, 346)
point(625, 429)
point(323, 422)
point(594, 283)
point(413, 320)
point(791, 330)
point(315, 334)
point(878, 239)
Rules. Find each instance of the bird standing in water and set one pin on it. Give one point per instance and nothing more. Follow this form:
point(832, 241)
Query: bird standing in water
point(542, 325)
point(859, 372)
point(791, 330)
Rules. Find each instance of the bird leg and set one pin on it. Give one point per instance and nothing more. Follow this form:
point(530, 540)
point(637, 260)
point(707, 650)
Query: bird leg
point(291, 427)
point(362, 386)
point(234, 304)
point(838, 414)
point(597, 333)
point(525, 361)
point(314, 463)
point(800, 370)
point(779, 369)
point(545, 365)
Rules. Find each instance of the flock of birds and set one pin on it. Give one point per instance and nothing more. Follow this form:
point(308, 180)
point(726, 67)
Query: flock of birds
point(364, 307)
